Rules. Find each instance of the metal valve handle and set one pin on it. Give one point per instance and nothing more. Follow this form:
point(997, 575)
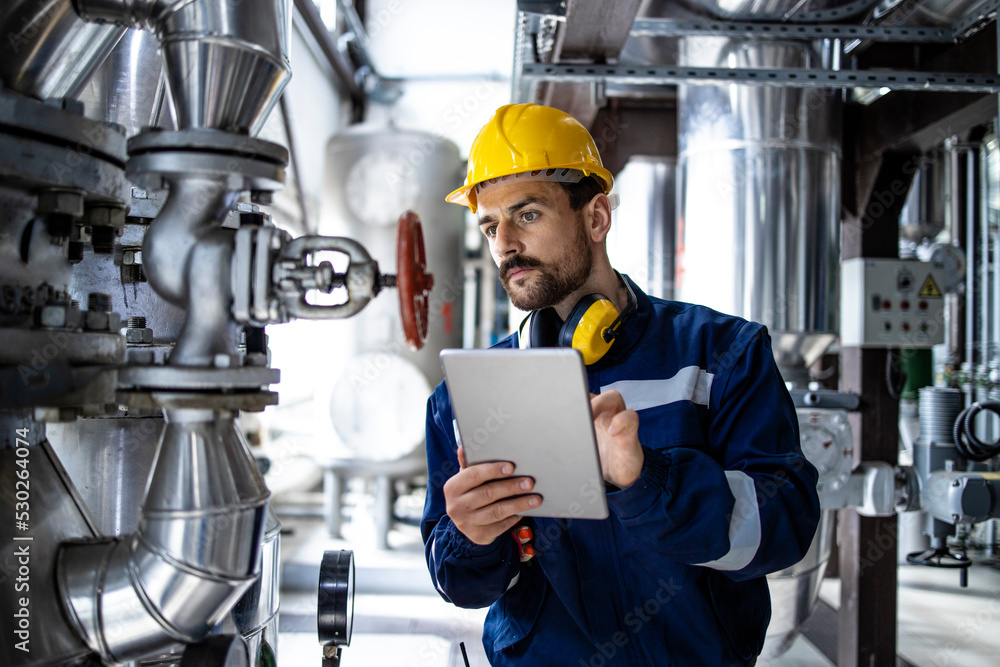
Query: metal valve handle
point(412, 280)
point(361, 278)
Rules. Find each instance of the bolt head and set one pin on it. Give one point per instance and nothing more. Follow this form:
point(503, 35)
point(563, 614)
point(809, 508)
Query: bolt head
point(223, 361)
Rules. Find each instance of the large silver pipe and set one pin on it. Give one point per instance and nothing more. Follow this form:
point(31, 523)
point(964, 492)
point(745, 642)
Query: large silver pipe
point(758, 189)
point(128, 88)
point(226, 63)
point(195, 553)
point(47, 51)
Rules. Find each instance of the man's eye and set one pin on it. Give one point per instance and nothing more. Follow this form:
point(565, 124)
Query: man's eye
point(528, 216)
point(490, 231)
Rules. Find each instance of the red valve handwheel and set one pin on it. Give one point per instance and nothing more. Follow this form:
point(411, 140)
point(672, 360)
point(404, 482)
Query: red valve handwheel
point(412, 281)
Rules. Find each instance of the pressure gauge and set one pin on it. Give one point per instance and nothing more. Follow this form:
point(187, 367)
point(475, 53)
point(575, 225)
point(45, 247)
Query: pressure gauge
point(335, 611)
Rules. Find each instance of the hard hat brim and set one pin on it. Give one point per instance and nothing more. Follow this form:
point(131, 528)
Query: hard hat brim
point(464, 196)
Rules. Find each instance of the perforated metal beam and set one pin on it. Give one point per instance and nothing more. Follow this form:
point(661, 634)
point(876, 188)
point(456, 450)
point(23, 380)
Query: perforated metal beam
point(671, 28)
point(658, 75)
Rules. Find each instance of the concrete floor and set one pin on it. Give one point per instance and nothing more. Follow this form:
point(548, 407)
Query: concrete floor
point(400, 621)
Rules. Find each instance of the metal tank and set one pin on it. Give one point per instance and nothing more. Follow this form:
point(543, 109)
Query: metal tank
point(372, 175)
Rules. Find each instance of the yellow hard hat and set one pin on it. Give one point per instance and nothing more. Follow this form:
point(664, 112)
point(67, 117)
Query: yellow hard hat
point(525, 138)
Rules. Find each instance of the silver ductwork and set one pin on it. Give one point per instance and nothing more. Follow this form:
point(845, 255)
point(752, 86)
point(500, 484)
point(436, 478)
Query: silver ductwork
point(759, 198)
point(226, 63)
point(47, 51)
point(128, 89)
point(193, 556)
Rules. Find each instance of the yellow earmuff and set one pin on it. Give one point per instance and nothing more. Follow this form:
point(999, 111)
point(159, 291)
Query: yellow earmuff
point(591, 327)
point(584, 329)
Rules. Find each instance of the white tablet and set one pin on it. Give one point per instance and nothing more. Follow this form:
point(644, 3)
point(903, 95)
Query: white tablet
point(531, 407)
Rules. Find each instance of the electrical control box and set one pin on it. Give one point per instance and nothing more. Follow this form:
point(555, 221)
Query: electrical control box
point(891, 303)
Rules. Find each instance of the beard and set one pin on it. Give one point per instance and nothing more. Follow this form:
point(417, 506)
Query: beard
point(551, 283)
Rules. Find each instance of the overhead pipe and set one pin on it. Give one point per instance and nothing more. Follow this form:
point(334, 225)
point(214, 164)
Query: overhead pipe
point(226, 63)
point(47, 51)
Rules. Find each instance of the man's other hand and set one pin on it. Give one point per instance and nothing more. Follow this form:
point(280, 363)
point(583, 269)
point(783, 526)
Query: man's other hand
point(484, 501)
point(617, 439)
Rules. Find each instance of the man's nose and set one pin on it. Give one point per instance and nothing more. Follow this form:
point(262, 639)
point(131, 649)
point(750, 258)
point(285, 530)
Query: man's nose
point(508, 240)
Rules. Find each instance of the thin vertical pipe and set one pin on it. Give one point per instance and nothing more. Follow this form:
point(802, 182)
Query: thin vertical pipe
point(980, 184)
point(970, 265)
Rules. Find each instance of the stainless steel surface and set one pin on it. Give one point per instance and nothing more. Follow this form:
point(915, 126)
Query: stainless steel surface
point(255, 616)
point(55, 514)
point(759, 173)
point(226, 63)
point(765, 9)
point(47, 51)
point(109, 462)
point(194, 206)
point(923, 214)
point(795, 590)
point(644, 232)
point(194, 555)
point(372, 177)
point(924, 12)
point(128, 88)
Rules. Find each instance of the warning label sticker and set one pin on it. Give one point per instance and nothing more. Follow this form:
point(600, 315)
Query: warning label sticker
point(929, 288)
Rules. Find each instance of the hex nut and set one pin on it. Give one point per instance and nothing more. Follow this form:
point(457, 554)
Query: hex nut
point(108, 216)
point(97, 321)
point(139, 336)
point(53, 315)
point(61, 201)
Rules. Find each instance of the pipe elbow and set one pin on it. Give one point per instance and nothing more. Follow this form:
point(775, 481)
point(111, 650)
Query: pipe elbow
point(197, 550)
point(193, 207)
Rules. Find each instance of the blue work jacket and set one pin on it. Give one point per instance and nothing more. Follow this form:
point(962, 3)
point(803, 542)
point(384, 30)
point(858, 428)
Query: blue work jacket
point(676, 574)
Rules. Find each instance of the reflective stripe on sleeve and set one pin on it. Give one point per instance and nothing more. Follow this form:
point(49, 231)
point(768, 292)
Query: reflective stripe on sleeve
point(688, 384)
point(744, 524)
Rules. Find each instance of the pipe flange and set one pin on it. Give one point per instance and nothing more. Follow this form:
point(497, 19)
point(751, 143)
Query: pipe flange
point(197, 378)
point(244, 162)
point(42, 147)
point(255, 401)
point(35, 349)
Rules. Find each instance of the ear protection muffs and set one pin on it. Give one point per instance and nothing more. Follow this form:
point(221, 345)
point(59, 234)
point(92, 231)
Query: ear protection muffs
point(591, 327)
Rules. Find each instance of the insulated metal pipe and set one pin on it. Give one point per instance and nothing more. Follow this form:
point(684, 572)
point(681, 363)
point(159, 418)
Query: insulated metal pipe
point(225, 62)
point(47, 51)
point(194, 555)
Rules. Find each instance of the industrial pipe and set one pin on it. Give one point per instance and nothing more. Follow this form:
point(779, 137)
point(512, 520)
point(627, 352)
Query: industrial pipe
point(195, 552)
point(226, 63)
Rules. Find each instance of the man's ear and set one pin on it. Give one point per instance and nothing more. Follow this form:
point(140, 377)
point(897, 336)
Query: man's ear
point(598, 216)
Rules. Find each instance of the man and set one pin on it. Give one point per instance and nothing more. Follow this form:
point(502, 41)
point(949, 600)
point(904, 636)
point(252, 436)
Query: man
point(698, 440)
